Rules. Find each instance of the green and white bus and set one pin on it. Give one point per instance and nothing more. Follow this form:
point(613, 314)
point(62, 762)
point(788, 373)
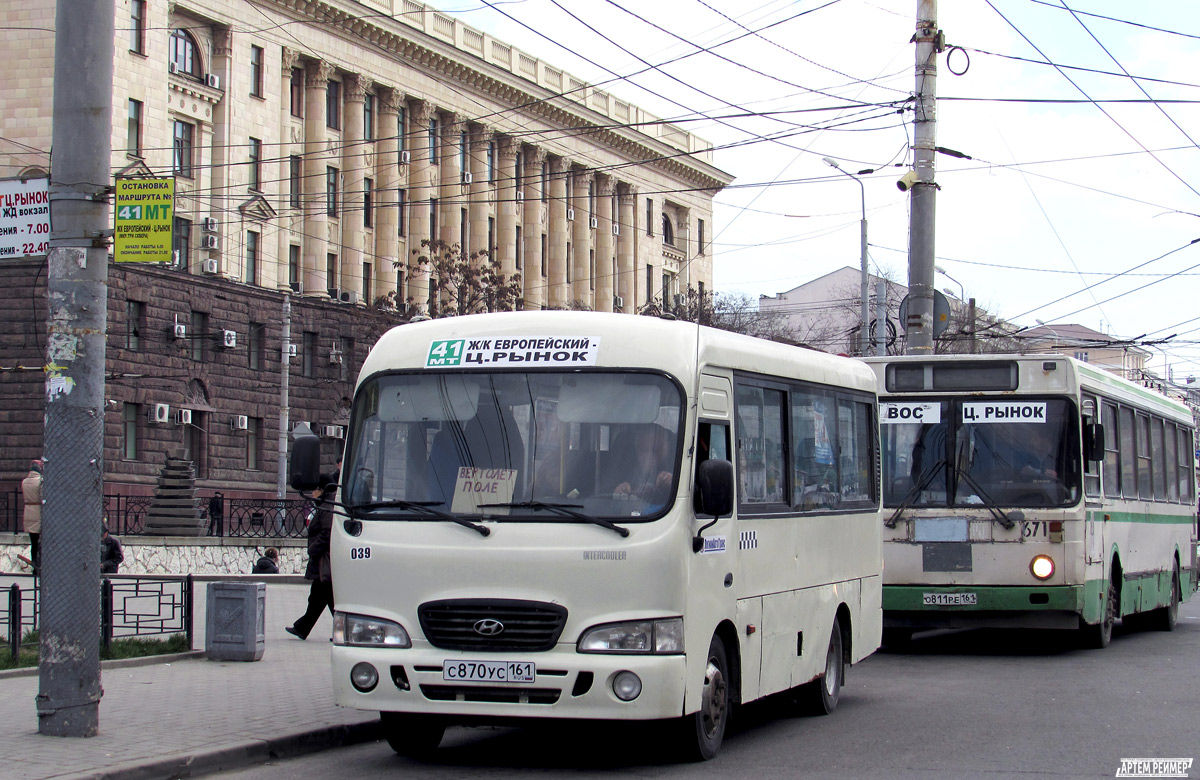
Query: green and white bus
point(1032, 491)
point(597, 516)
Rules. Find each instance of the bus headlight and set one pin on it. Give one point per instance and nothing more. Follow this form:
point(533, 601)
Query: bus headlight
point(1042, 567)
point(661, 637)
point(363, 631)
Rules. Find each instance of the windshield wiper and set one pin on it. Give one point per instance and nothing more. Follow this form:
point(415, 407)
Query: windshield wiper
point(915, 491)
point(424, 508)
point(1006, 520)
point(564, 510)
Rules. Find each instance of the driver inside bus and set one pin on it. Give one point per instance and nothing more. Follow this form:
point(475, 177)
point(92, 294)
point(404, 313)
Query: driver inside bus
point(642, 465)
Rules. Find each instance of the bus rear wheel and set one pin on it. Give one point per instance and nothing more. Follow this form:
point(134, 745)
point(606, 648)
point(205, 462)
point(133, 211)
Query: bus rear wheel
point(413, 736)
point(704, 731)
point(820, 697)
point(1166, 617)
point(1099, 636)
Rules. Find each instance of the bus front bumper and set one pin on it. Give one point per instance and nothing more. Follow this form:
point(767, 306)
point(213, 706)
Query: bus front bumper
point(567, 685)
point(975, 606)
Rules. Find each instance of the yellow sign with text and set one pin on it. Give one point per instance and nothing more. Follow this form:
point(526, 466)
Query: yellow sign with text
point(145, 219)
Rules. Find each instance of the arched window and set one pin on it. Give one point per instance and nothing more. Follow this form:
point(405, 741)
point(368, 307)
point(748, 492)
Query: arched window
point(184, 54)
point(668, 230)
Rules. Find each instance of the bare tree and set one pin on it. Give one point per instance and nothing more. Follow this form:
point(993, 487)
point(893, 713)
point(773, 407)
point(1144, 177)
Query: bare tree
point(737, 312)
point(461, 284)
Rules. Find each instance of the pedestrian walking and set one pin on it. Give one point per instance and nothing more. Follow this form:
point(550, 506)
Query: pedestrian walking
point(268, 563)
point(216, 510)
point(320, 529)
point(111, 554)
point(31, 492)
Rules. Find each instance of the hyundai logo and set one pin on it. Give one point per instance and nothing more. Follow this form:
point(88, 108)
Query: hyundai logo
point(488, 627)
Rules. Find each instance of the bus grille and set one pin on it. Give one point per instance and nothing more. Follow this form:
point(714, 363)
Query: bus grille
point(491, 695)
point(492, 624)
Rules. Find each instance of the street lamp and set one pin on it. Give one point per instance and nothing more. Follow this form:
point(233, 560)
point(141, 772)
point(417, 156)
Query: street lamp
point(962, 296)
point(865, 320)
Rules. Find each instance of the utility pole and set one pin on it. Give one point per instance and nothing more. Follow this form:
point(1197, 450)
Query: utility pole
point(68, 699)
point(923, 191)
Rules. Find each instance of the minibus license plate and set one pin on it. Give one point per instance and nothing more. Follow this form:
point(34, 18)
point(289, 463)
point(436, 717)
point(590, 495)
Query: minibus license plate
point(948, 599)
point(490, 671)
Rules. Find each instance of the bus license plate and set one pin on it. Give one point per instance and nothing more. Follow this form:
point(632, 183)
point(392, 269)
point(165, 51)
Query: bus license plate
point(490, 671)
point(948, 599)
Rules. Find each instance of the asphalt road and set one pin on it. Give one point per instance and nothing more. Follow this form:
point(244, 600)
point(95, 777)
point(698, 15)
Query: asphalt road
point(977, 704)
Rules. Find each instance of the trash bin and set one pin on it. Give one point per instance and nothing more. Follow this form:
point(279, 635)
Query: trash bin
point(235, 621)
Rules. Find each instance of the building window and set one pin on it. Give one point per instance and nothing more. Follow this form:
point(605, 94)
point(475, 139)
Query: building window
point(649, 282)
point(368, 202)
point(135, 323)
point(700, 237)
point(252, 427)
point(491, 160)
point(592, 268)
point(294, 267)
point(520, 249)
point(331, 191)
point(137, 26)
point(185, 134)
point(463, 145)
point(570, 261)
point(591, 198)
point(331, 274)
point(131, 415)
point(333, 105)
point(198, 334)
point(133, 135)
point(402, 127)
point(649, 216)
point(182, 243)
point(295, 169)
point(668, 230)
point(545, 181)
point(366, 283)
point(309, 348)
point(369, 117)
point(402, 211)
point(464, 236)
point(491, 245)
point(519, 181)
point(251, 257)
point(256, 71)
point(297, 91)
point(545, 247)
point(433, 140)
point(433, 219)
point(254, 345)
point(183, 55)
point(255, 164)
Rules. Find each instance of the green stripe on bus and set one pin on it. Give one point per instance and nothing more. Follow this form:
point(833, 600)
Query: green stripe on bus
point(1142, 517)
point(1008, 598)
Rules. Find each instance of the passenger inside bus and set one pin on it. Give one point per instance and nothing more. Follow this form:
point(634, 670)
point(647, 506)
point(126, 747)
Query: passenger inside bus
point(638, 465)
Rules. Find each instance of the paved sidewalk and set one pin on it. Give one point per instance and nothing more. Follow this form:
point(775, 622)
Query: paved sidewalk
point(189, 717)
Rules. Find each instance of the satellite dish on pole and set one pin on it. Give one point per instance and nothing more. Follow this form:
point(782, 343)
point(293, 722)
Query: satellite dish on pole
point(941, 313)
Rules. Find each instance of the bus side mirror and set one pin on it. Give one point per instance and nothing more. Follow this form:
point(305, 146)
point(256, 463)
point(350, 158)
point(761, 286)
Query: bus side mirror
point(305, 468)
point(714, 488)
point(1093, 442)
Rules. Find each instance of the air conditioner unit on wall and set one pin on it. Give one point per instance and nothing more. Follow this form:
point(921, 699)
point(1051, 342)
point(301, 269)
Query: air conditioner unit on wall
point(160, 413)
point(213, 80)
point(349, 296)
point(616, 228)
point(240, 422)
point(180, 330)
point(210, 242)
point(618, 302)
point(594, 223)
point(183, 416)
point(333, 432)
point(570, 215)
point(211, 224)
point(405, 157)
point(335, 358)
point(212, 266)
point(679, 299)
point(229, 339)
point(173, 66)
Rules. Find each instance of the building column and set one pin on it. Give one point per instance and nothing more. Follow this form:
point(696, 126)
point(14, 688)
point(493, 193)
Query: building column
point(316, 222)
point(451, 189)
point(420, 171)
point(605, 265)
point(478, 138)
point(386, 183)
point(223, 155)
point(531, 184)
point(354, 150)
point(626, 279)
point(506, 198)
point(287, 217)
point(582, 279)
point(560, 235)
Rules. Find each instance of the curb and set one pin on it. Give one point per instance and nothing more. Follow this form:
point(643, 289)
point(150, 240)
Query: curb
point(236, 755)
point(116, 663)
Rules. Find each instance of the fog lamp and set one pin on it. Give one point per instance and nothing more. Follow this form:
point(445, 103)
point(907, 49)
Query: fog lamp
point(364, 677)
point(627, 686)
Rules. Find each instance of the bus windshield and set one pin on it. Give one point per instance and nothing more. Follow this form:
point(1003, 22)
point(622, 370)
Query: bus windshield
point(536, 445)
point(969, 452)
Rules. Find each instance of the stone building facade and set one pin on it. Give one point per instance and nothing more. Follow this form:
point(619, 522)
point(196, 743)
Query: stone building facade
point(314, 146)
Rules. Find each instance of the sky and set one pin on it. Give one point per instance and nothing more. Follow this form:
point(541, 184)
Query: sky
point(1079, 192)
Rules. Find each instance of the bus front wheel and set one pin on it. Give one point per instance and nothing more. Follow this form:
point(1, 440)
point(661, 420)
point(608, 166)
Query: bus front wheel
point(413, 736)
point(820, 697)
point(704, 731)
point(1099, 636)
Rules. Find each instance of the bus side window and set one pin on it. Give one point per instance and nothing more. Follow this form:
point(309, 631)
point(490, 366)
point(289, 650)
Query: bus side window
point(712, 442)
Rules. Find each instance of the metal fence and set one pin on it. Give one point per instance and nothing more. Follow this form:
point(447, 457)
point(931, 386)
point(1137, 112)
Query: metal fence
point(130, 606)
point(10, 511)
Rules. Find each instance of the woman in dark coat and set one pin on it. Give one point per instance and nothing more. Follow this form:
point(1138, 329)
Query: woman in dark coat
point(320, 528)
